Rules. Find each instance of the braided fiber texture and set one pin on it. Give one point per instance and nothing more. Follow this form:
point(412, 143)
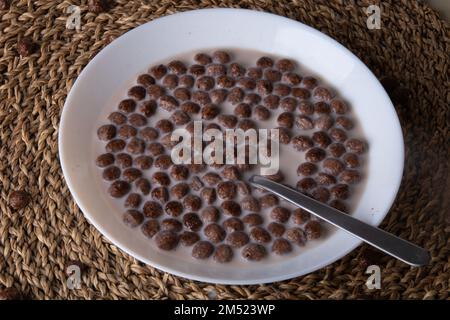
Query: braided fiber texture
point(37, 242)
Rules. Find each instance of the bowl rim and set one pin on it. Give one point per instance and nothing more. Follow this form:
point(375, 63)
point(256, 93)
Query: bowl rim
point(396, 181)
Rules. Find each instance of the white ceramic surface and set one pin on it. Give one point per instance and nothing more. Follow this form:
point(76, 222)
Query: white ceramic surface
point(111, 70)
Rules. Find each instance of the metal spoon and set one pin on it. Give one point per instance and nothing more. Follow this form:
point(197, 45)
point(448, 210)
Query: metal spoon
point(386, 242)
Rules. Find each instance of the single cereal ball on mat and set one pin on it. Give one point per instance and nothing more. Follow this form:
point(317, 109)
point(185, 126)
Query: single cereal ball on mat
point(19, 199)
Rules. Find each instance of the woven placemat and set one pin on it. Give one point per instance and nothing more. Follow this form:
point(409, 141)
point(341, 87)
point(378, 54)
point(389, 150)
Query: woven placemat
point(37, 242)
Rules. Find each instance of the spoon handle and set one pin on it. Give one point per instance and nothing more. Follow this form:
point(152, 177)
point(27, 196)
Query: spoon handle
point(384, 241)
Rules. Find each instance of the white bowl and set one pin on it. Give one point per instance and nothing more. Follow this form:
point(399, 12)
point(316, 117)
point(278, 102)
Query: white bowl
point(110, 71)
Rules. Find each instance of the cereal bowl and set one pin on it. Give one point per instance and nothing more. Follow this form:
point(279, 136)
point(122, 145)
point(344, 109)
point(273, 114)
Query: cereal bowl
point(107, 77)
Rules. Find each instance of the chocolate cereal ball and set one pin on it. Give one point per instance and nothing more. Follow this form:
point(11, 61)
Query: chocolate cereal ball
point(192, 222)
point(136, 146)
point(182, 94)
point(264, 62)
point(350, 160)
point(302, 143)
point(212, 178)
point(208, 195)
point(171, 225)
point(106, 132)
point(168, 103)
point(137, 92)
point(355, 146)
point(226, 190)
point(228, 121)
point(344, 122)
point(233, 224)
point(188, 238)
point(111, 173)
point(340, 191)
point(333, 166)
point(291, 78)
point(186, 81)
point(296, 235)
point(220, 56)
point(231, 208)
point(301, 93)
point(285, 65)
point(338, 135)
point(148, 108)
point(349, 176)
point(163, 162)
point(251, 204)
point(145, 80)
point(210, 214)
point(177, 67)
point(304, 123)
point(271, 101)
point(179, 190)
point(243, 188)
point(284, 135)
point(143, 185)
point(254, 252)
point(214, 232)
point(323, 122)
point(285, 120)
point(173, 208)
point(309, 82)
point(126, 106)
point(197, 70)
point(252, 98)
point(288, 104)
point(166, 240)
point(117, 118)
point(104, 160)
point(338, 106)
point(272, 75)
point(160, 194)
point(133, 201)
point(306, 169)
point(321, 138)
point(325, 179)
point(305, 108)
point(126, 131)
point(338, 205)
point(231, 172)
point(209, 111)
point(180, 117)
point(143, 162)
point(161, 178)
point(281, 89)
point(300, 216)
point(323, 94)
point(196, 184)
point(202, 58)
point(152, 209)
point(235, 95)
point(260, 235)
point(315, 155)
point(313, 230)
point(218, 95)
point(321, 194)
point(242, 110)
point(306, 184)
point(119, 188)
point(321, 108)
point(190, 107)
point(158, 71)
point(132, 218)
point(192, 202)
point(150, 228)
point(276, 229)
point(216, 70)
point(268, 201)
point(264, 87)
point(223, 253)
point(281, 246)
point(179, 172)
point(237, 239)
point(253, 219)
point(280, 214)
point(202, 250)
point(224, 82)
point(336, 149)
point(261, 113)
point(156, 91)
point(170, 81)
